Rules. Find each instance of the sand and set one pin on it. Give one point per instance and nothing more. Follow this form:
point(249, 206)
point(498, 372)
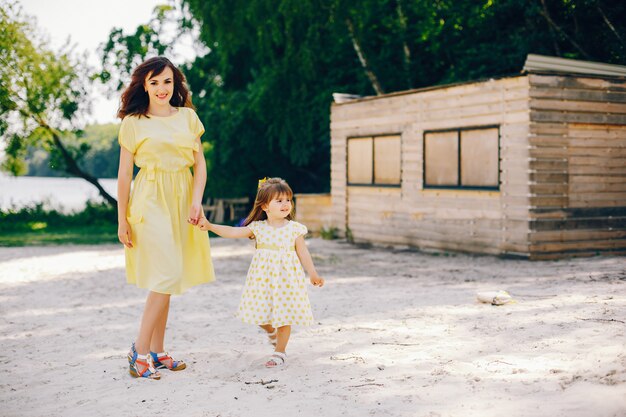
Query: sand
point(398, 333)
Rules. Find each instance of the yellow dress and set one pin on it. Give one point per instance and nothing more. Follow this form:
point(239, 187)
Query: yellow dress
point(275, 289)
point(169, 255)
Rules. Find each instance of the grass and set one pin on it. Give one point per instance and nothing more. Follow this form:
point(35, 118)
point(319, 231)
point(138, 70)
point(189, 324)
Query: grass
point(36, 225)
point(87, 235)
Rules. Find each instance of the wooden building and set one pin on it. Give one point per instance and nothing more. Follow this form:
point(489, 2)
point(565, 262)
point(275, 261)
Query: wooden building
point(531, 165)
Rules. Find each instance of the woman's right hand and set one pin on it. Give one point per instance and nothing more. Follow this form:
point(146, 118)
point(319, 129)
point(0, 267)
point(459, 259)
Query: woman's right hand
point(124, 234)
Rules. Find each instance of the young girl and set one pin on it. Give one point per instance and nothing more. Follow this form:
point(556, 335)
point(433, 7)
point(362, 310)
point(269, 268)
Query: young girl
point(160, 133)
point(274, 295)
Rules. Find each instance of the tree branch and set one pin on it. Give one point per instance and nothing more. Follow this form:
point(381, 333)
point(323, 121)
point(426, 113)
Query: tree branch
point(70, 163)
point(405, 46)
point(553, 24)
point(608, 23)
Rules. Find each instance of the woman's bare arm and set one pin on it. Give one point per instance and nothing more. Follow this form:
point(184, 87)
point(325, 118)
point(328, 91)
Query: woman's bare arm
point(124, 179)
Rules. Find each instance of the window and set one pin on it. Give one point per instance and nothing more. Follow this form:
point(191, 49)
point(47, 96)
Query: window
point(462, 158)
point(374, 160)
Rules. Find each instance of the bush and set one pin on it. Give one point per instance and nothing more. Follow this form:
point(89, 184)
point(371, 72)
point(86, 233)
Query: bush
point(329, 233)
point(37, 217)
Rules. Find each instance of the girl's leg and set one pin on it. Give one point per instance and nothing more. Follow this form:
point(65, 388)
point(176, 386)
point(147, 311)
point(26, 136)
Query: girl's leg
point(279, 356)
point(267, 327)
point(283, 338)
point(270, 332)
point(158, 334)
point(155, 304)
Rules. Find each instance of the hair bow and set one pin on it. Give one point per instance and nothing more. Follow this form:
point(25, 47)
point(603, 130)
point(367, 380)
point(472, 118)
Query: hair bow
point(261, 182)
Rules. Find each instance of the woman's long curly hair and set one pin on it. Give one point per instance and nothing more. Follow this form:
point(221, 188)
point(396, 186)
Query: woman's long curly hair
point(135, 99)
point(270, 188)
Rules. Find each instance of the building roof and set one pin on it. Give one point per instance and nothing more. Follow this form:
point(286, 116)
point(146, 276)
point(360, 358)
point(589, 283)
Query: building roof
point(534, 64)
point(542, 63)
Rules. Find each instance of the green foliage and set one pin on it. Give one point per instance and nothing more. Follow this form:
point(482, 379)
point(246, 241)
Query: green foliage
point(96, 149)
point(145, 42)
point(36, 225)
point(329, 233)
point(38, 87)
point(42, 93)
point(264, 88)
point(93, 214)
point(277, 63)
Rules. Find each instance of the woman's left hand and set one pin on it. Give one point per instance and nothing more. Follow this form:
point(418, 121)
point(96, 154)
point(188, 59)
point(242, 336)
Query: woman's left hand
point(195, 213)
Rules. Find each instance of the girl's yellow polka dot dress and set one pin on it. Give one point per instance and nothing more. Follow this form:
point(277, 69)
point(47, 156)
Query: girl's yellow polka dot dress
point(275, 289)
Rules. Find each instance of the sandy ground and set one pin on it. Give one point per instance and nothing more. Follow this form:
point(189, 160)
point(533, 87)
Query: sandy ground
point(399, 333)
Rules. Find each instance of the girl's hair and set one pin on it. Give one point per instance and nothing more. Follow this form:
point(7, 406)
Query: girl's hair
point(135, 99)
point(269, 189)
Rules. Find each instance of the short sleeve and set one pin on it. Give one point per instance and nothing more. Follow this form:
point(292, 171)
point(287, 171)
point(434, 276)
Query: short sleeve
point(126, 136)
point(254, 226)
point(300, 229)
point(197, 128)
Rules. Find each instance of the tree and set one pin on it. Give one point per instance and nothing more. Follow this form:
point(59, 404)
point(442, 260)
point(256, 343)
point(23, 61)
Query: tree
point(102, 154)
point(121, 53)
point(264, 88)
point(42, 95)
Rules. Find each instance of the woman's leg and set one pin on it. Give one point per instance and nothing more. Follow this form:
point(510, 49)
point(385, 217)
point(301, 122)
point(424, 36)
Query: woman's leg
point(158, 334)
point(155, 304)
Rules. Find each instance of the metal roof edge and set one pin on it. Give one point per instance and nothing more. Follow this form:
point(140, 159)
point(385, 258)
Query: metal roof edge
point(536, 62)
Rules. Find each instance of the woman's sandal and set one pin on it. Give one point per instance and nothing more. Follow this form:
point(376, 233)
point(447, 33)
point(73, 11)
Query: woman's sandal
point(140, 366)
point(164, 361)
point(277, 359)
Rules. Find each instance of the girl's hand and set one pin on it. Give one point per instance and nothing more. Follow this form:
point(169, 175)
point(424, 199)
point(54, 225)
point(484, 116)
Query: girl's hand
point(317, 281)
point(124, 234)
point(195, 213)
point(204, 224)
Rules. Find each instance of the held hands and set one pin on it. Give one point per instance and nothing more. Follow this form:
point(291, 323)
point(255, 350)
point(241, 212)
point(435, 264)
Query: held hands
point(195, 213)
point(204, 224)
point(317, 281)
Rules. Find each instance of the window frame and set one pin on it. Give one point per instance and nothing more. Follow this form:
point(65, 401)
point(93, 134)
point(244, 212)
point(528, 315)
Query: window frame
point(373, 183)
point(459, 186)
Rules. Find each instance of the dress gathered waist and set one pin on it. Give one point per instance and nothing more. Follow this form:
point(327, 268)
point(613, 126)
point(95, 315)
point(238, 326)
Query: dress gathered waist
point(153, 168)
point(150, 171)
point(274, 247)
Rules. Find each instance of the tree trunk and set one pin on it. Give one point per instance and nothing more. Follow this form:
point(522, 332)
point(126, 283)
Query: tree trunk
point(405, 46)
point(609, 24)
point(366, 67)
point(73, 168)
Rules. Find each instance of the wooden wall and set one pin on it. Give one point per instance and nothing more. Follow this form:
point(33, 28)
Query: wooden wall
point(315, 211)
point(494, 222)
point(578, 166)
point(562, 161)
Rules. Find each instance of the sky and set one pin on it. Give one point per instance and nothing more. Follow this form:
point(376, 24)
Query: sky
point(87, 24)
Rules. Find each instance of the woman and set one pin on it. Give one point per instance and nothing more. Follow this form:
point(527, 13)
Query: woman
point(160, 133)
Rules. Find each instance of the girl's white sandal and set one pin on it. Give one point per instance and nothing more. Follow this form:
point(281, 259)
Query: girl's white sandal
point(277, 359)
point(272, 337)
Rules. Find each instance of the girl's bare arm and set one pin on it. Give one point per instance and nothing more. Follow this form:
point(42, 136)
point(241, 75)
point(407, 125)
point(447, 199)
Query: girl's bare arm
point(307, 262)
point(224, 231)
